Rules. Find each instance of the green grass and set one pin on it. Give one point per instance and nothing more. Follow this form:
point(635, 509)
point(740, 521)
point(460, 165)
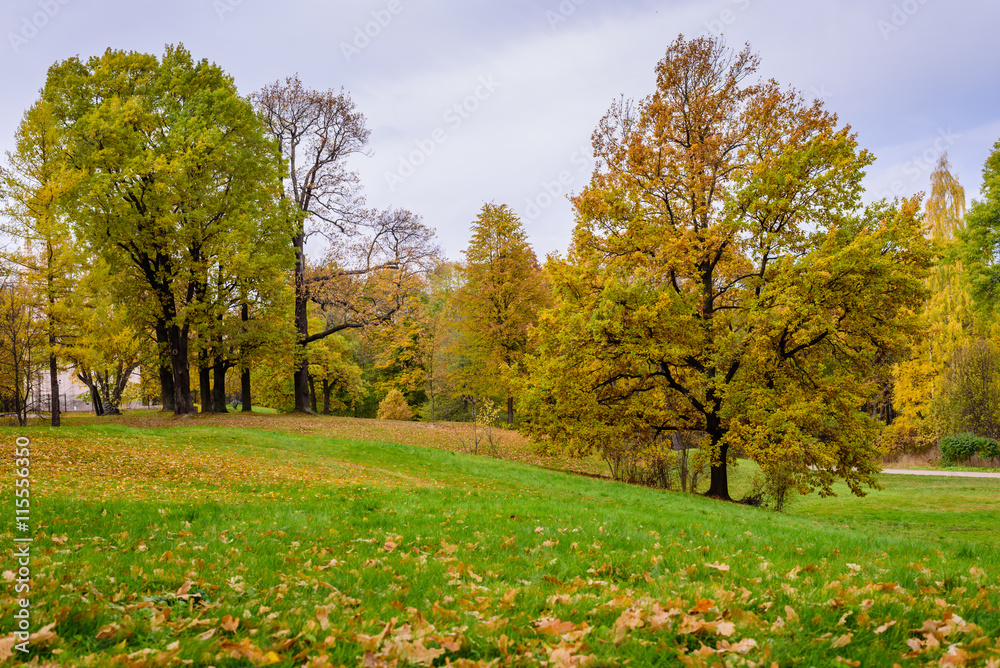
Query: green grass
point(955, 513)
point(150, 542)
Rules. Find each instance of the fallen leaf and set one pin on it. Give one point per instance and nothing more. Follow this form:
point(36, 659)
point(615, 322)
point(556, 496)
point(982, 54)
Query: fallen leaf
point(6, 647)
point(630, 619)
point(725, 629)
point(43, 636)
point(885, 627)
point(185, 588)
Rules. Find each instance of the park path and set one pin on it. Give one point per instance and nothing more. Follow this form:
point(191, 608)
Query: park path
point(951, 474)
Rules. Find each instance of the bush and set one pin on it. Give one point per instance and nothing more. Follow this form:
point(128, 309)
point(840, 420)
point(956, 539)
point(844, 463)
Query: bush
point(962, 447)
point(394, 407)
point(677, 460)
point(907, 437)
point(772, 488)
point(486, 432)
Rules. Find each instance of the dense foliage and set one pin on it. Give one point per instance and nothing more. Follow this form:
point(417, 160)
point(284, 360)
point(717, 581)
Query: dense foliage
point(725, 279)
point(961, 447)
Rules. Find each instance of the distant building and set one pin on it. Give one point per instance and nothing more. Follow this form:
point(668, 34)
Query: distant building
point(70, 389)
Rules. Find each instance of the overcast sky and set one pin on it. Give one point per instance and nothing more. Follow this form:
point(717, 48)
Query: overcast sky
point(473, 102)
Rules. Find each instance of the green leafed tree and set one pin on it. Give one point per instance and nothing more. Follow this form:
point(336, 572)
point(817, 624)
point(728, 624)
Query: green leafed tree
point(174, 171)
point(504, 290)
point(333, 369)
point(725, 280)
point(980, 243)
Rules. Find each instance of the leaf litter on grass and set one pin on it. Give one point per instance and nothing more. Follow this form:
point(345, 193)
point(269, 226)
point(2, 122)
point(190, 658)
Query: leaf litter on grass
point(352, 566)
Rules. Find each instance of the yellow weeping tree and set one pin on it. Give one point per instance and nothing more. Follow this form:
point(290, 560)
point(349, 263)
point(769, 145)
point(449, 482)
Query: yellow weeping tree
point(920, 382)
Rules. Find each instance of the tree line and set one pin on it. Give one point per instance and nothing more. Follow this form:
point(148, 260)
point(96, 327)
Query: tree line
point(726, 293)
point(162, 219)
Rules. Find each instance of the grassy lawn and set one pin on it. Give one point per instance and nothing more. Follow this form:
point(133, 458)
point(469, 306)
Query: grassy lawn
point(956, 513)
point(278, 540)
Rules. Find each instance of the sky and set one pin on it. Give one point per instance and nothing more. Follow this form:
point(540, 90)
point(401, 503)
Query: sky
point(485, 101)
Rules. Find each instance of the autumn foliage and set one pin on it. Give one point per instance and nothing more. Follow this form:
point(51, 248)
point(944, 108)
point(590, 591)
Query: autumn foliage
point(724, 278)
point(394, 407)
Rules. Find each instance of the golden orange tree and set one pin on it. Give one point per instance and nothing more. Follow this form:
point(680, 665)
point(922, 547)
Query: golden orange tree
point(724, 278)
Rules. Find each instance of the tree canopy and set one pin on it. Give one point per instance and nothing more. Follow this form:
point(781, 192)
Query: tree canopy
point(174, 173)
point(724, 279)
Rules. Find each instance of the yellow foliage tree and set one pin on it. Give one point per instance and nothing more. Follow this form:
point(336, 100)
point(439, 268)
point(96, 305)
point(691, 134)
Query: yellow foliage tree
point(394, 407)
point(725, 278)
point(499, 302)
point(947, 320)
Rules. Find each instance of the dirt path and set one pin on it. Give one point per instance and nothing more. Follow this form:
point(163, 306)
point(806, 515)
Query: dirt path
point(951, 474)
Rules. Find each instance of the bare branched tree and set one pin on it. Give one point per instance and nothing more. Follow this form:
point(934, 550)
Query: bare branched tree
point(317, 131)
point(367, 282)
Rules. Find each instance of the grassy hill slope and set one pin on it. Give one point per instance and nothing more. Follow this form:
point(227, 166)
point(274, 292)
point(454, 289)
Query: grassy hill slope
point(289, 541)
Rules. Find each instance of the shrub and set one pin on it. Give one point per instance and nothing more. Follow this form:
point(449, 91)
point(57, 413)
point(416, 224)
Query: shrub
point(907, 437)
point(962, 447)
point(677, 460)
point(394, 407)
point(772, 488)
point(989, 449)
point(486, 431)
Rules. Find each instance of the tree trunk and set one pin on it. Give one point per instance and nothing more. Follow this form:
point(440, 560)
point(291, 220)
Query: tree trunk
point(245, 391)
point(95, 393)
point(245, 403)
point(108, 397)
point(719, 484)
point(312, 393)
point(431, 385)
point(327, 389)
point(117, 389)
point(178, 341)
point(205, 387)
point(166, 377)
point(301, 379)
point(54, 385)
point(219, 386)
point(510, 410)
point(302, 388)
